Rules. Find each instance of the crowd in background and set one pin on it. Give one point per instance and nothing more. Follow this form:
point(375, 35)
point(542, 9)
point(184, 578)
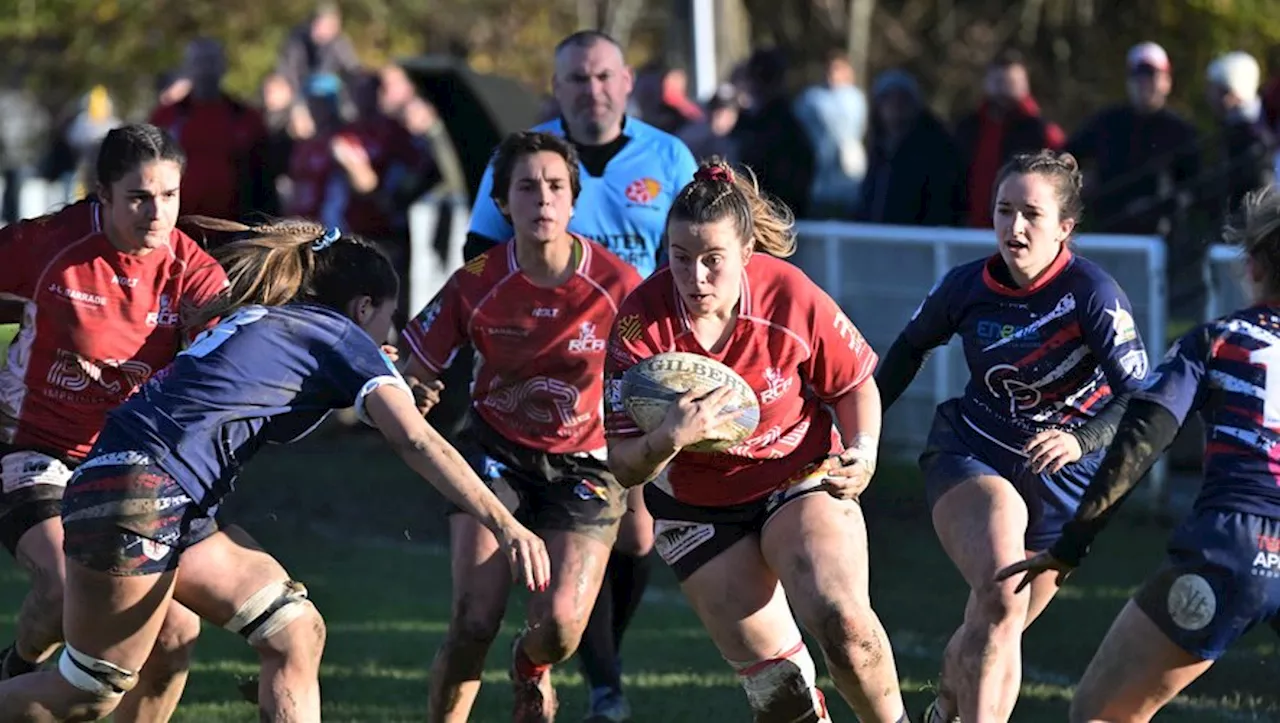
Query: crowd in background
point(354, 146)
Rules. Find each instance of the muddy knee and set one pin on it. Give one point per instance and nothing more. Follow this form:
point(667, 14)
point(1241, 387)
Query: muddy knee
point(279, 621)
point(998, 605)
point(850, 638)
point(554, 639)
point(783, 689)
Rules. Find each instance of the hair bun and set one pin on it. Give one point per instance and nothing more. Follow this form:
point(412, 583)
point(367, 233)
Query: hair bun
point(1069, 161)
point(714, 172)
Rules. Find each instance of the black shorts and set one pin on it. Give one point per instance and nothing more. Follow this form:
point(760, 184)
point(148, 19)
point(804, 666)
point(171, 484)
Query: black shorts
point(546, 492)
point(129, 519)
point(31, 487)
point(689, 536)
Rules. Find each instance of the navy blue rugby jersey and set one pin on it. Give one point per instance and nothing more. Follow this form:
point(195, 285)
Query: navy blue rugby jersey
point(1050, 355)
point(262, 375)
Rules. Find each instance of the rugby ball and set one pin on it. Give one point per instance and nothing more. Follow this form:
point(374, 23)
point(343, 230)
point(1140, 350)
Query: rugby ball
point(651, 386)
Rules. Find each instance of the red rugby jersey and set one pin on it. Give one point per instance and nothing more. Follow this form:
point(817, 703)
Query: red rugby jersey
point(539, 380)
point(97, 323)
point(793, 346)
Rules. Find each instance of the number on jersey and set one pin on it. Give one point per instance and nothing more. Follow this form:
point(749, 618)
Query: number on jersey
point(213, 338)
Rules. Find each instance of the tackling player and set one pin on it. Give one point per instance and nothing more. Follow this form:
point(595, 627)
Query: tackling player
point(1222, 576)
point(774, 520)
point(631, 173)
point(1053, 353)
point(536, 310)
point(296, 341)
point(104, 281)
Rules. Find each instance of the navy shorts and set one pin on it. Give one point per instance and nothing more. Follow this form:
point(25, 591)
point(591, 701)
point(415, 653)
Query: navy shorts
point(1221, 578)
point(129, 519)
point(957, 451)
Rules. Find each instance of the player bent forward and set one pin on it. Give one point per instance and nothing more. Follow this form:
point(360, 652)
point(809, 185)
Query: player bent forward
point(775, 519)
point(296, 342)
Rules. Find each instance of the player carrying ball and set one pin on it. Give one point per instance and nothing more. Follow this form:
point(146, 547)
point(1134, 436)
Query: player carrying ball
point(1053, 353)
point(296, 341)
point(1222, 575)
point(537, 309)
point(774, 520)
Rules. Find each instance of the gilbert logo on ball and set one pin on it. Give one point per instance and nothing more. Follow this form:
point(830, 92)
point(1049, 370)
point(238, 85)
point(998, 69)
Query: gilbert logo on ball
point(650, 387)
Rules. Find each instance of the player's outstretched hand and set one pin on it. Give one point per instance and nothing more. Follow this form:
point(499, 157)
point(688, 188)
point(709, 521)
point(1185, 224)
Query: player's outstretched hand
point(426, 395)
point(695, 418)
point(848, 474)
point(527, 554)
point(1051, 450)
point(1033, 566)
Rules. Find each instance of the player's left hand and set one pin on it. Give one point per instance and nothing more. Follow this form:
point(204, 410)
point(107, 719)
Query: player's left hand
point(1051, 450)
point(392, 353)
point(849, 474)
point(1033, 566)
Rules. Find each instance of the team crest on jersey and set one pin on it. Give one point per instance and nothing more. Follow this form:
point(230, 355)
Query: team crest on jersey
point(587, 342)
point(1003, 383)
point(1122, 324)
point(587, 491)
point(475, 266)
point(1267, 562)
point(643, 191)
point(778, 383)
point(1134, 363)
point(629, 327)
point(165, 315)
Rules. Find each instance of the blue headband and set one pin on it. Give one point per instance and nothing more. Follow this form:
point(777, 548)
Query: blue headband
point(330, 237)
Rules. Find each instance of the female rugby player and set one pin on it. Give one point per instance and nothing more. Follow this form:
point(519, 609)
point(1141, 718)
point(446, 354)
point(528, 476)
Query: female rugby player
point(1053, 353)
point(1221, 576)
point(776, 518)
point(537, 311)
point(296, 340)
point(103, 282)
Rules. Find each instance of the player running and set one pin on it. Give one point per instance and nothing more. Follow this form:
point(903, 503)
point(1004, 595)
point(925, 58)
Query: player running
point(1220, 579)
point(630, 173)
point(774, 520)
point(1053, 353)
point(104, 281)
point(296, 340)
point(537, 310)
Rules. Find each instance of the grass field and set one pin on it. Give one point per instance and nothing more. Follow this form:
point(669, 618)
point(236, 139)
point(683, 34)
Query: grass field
point(386, 597)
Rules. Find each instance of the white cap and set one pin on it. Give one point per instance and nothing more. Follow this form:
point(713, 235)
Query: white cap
point(1237, 72)
point(1148, 54)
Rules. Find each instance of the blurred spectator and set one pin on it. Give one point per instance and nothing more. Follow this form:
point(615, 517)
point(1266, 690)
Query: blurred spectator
point(1246, 145)
point(712, 135)
point(834, 114)
point(395, 91)
point(433, 138)
point(223, 138)
point(915, 176)
point(661, 98)
point(383, 168)
point(312, 166)
point(1006, 123)
point(278, 107)
point(768, 137)
point(82, 136)
point(318, 46)
point(1145, 156)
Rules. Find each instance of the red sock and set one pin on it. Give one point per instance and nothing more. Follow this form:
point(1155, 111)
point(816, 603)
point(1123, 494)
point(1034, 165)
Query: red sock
point(526, 668)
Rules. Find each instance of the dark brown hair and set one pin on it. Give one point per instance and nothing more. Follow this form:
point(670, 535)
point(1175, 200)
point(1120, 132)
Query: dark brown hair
point(526, 143)
point(1060, 168)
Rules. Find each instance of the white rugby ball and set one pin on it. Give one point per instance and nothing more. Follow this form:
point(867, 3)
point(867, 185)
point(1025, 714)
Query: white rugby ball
point(651, 386)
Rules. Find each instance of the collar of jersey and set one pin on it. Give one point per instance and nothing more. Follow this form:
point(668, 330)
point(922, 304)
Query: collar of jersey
point(513, 264)
point(1055, 269)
